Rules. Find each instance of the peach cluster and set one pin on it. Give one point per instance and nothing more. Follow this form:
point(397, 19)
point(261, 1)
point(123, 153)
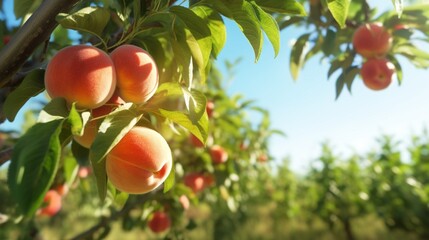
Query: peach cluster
point(372, 41)
point(95, 80)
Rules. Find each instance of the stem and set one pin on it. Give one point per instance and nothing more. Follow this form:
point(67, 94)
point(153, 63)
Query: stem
point(5, 155)
point(34, 32)
point(104, 222)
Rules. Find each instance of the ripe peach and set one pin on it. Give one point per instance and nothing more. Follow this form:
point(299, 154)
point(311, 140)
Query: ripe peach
point(198, 181)
point(137, 73)
point(372, 40)
point(218, 154)
point(210, 108)
point(84, 172)
point(195, 141)
point(184, 201)
point(377, 74)
point(262, 158)
point(52, 201)
point(159, 222)
point(195, 181)
point(62, 189)
point(82, 74)
point(91, 128)
point(140, 162)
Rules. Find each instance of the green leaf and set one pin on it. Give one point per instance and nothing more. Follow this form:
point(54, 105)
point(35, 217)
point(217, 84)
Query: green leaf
point(329, 42)
point(80, 153)
point(216, 25)
point(339, 10)
point(75, 120)
point(54, 110)
point(398, 68)
point(34, 164)
point(399, 6)
point(99, 169)
point(297, 55)
point(199, 30)
point(24, 7)
point(243, 14)
point(111, 131)
point(346, 78)
point(169, 182)
point(164, 104)
point(71, 168)
point(282, 6)
point(90, 19)
point(270, 27)
point(32, 85)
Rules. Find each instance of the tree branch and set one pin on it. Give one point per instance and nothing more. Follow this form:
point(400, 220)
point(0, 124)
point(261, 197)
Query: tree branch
point(5, 155)
point(35, 31)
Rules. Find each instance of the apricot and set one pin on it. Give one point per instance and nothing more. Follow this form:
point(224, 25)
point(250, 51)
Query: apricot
point(159, 222)
point(218, 154)
point(372, 40)
point(91, 128)
point(377, 74)
point(82, 74)
point(136, 72)
point(52, 201)
point(140, 162)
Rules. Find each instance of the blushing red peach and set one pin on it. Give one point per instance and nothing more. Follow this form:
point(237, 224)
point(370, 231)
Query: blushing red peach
point(91, 128)
point(82, 74)
point(137, 73)
point(62, 189)
point(262, 158)
point(140, 162)
point(195, 181)
point(159, 222)
point(84, 172)
point(195, 141)
point(52, 201)
point(210, 108)
point(377, 74)
point(218, 154)
point(184, 201)
point(372, 40)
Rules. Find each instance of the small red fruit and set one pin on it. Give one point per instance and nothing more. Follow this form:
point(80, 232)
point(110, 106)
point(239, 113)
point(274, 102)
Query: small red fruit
point(262, 158)
point(195, 181)
point(377, 74)
point(218, 154)
point(184, 201)
point(159, 222)
point(210, 108)
point(62, 189)
point(195, 141)
point(6, 39)
point(372, 40)
point(52, 201)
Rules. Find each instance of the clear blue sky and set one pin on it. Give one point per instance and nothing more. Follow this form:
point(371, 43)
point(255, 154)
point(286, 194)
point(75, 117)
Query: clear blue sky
point(307, 111)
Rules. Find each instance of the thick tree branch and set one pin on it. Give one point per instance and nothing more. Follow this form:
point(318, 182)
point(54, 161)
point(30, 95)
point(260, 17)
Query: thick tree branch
point(35, 31)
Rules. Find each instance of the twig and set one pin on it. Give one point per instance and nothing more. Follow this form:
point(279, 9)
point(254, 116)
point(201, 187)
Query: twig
point(34, 32)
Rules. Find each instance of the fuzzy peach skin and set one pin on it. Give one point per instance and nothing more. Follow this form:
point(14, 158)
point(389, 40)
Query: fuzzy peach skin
point(372, 40)
point(140, 162)
point(82, 74)
point(136, 72)
point(53, 203)
point(91, 128)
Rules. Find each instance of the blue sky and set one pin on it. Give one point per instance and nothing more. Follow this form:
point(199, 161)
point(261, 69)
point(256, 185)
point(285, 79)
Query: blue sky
point(306, 110)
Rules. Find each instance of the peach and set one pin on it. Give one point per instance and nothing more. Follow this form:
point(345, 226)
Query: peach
point(372, 40)
point(218, 154)
point(198, 181)
point(184, 201)
point(136, 72)
point(91, 128)
point(195, 141)
point(262, 158)
point(52, 203)
point(140, 162)
point(62, 189)
point(84, 172)
point(159, 222)
point(82, 74)
point(377, 74)
point(210, 108)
